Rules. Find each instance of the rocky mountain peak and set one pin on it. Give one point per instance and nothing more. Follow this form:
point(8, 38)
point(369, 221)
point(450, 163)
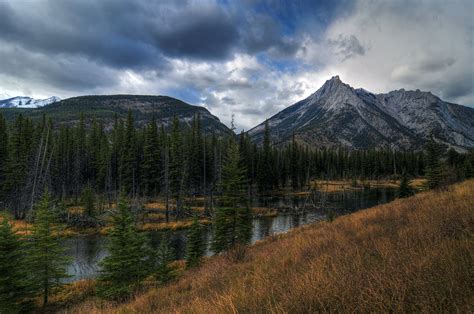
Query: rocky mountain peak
point(339, 115)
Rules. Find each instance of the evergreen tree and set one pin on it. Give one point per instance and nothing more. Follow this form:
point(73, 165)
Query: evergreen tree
point(162, 261)
point(88, 201)
point(404, 189)
point(265, 167)
point(195, 245)
point(231, 222)
point(244, 225)
point(46, 257)
point(151, 160)
point(125, 267)
point(3, 155)
point(128, 169)
point(177, 165)
point(14, 289)
point(434, 171)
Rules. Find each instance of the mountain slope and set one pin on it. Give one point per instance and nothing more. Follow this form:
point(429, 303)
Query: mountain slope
point(339, 115)
point(104, 108)
point(27, 102)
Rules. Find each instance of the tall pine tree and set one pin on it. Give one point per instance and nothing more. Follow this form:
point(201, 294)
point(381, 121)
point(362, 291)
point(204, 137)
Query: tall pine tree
point(125, 267)
point(14, 281)
point(195, 245)
point(434, 170)
point(46, 257)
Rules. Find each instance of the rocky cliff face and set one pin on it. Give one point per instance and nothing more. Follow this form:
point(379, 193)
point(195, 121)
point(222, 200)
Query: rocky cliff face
point(339, 115)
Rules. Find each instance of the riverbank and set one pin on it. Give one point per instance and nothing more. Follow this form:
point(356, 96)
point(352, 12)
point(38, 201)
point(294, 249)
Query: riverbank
point(410, 255)
point(153, 218)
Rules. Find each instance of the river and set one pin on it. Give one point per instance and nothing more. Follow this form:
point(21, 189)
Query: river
point(87, 251)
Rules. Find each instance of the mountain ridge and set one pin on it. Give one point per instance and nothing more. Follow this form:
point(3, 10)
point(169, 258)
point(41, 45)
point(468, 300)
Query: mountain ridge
point(339, 115)
point(105, 107)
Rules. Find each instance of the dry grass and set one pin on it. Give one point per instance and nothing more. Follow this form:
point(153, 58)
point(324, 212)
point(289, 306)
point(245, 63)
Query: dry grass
point(72, 293)
point(172, 225)
point(264, 212)
point(341, 185)
point(411, 255)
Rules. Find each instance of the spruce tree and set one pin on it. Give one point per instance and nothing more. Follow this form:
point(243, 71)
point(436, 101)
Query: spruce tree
point(125, 266)
point(404, 189)
point(14, 283)
point(88, 201)
point(195, 245)
point(128, 169)
point(434, 171)
point(231, 221)
point(177, 165)
point(3, 154)
point(162, 260)
point(46, 257)
point(151, 160)
point(244, 225)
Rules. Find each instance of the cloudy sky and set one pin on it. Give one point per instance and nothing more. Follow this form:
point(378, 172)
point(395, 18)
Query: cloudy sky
point(248, 58)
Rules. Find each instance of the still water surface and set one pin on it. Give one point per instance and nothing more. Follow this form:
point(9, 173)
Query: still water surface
point(87, 251)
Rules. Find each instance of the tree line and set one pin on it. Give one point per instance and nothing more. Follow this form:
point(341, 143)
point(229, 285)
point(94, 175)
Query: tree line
point(173, 161)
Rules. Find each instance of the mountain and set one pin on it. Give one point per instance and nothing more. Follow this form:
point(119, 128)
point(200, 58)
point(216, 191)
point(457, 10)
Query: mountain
point(104, 108)
point(26, 102)
point(339, 115)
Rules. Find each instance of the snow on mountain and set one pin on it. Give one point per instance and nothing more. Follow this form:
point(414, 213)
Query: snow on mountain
point(339, 115)
point(27, 102)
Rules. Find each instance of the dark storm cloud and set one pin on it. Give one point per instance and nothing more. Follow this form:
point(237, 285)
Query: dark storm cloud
point(265, 33)
point(70, 74)
point(199, 33)
point(462, 86)
point(80, 28)
point(136, 34)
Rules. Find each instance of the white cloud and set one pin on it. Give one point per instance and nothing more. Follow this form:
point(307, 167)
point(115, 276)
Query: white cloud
point(424, 44)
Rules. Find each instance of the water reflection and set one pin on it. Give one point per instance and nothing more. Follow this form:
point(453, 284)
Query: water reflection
point(87, 251)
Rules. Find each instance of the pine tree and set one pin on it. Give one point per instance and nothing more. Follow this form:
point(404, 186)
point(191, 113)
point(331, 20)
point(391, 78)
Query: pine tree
point(14, 289)
point(195, 245)
point(434, 171)
point(231, 222)
point(46, 256)
point(265, 166)
point(404, 189)
point(177, 166)
point(3, 154)
point(125, 267)
point(128, 169)
point(88, 201)
point(151, 160)
point(244, 225)
point(162, 261)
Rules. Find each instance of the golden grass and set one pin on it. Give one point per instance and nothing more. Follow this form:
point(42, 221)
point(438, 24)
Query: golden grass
point(264, 212)
point(411, 255)
point(341, 185)
point(72, 293)
point(174, 225)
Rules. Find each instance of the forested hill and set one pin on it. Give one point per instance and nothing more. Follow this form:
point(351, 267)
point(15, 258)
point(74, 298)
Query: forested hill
point(104, 108)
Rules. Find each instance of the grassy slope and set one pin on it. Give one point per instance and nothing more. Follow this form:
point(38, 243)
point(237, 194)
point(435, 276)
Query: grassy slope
point(412, 254)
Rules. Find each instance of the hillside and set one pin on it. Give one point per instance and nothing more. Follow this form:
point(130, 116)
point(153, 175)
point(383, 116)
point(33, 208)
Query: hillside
point(411, 255)
point(26, 102)
point(104, 108)
point(339, 115)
